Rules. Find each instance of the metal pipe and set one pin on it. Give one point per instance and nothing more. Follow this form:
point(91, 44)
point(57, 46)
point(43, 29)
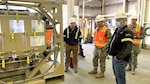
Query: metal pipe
point(103, 7)
point(125, 6)
point(38, 5)
point(83, 9)
point(83, 19)
point(148, 11)
point(143, 12)
point(36, 69)
point(1, 82)
point(43, 12)
point(138, 10)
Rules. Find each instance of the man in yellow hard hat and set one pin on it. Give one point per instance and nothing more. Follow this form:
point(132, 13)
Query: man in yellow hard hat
point(72, 39)
point(102, 36)
point(139, 34)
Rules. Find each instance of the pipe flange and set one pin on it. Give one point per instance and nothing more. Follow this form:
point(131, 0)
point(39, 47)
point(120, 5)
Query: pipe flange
point(147, 31)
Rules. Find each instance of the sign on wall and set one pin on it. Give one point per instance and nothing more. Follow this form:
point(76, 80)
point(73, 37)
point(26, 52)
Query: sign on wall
point(16, 26)
point(37, 26)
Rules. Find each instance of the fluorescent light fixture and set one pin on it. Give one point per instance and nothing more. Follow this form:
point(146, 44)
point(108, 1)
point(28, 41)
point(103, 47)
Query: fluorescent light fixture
point(17, 8)
point(2, 6)
point(88, 1)
point(32, 10)
point(13, 7)
point(18, 2)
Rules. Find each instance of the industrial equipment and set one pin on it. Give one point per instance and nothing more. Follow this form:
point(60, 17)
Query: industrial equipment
point(23, 41)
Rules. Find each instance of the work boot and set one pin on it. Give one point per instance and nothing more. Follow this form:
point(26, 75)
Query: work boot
point(133, 72)
point(100, 75)
point(75, 70)
point(94, 71)
point(128, 68)
point(66, 69)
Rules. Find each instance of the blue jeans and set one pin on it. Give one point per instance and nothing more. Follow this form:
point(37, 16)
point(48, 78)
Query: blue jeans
point(119, 70)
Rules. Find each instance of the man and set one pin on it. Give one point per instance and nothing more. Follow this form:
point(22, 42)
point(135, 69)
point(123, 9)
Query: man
point(102, 37)
point(120, 47)
point(72, 38)
point(139, 34)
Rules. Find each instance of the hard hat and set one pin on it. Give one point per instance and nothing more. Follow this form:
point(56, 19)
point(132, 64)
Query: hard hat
point(121, 14)
point(134, 16)
point(99, 18)
point(72, 20)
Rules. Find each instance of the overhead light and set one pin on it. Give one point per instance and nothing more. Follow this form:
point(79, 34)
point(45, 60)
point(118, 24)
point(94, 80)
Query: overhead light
point(2, 6)
point(19, 2)
point(17, 7)
point(88, 1)
point(32, 10)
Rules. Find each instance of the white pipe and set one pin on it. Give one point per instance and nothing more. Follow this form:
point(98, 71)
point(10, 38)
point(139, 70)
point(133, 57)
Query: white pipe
point(103, 7)
point(141, 11)
point(70, 4)
point(144, 9)
point(83, 9)
point(124, 5)
point(83, 20)
point(138, 11)
point(148, 10)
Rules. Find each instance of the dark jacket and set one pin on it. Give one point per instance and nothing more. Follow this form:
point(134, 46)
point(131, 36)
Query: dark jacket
point(72, 37)
point(121, 43)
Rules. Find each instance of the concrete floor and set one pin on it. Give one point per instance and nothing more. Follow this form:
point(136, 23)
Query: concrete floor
point(85, 65)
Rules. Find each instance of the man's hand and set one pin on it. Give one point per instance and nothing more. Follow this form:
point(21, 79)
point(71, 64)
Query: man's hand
point(116, 58)
point(104, 48)
point(79, 43)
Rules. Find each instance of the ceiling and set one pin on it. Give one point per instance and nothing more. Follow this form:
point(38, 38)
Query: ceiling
point(94, 4)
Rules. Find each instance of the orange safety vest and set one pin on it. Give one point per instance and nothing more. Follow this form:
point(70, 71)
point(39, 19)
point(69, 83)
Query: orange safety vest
point(100, 40)
point(137, 31)
point(48, 36)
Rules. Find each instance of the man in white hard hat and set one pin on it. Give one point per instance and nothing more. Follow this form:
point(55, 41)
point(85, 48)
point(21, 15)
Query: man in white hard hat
point(120, 47)
point(72, 38)
point(139, 34)
point(102, 36)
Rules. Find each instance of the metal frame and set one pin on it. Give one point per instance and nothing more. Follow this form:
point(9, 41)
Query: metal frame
point(43, 7)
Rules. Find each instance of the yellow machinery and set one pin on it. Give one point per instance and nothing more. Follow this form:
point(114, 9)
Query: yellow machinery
point(22, 42)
